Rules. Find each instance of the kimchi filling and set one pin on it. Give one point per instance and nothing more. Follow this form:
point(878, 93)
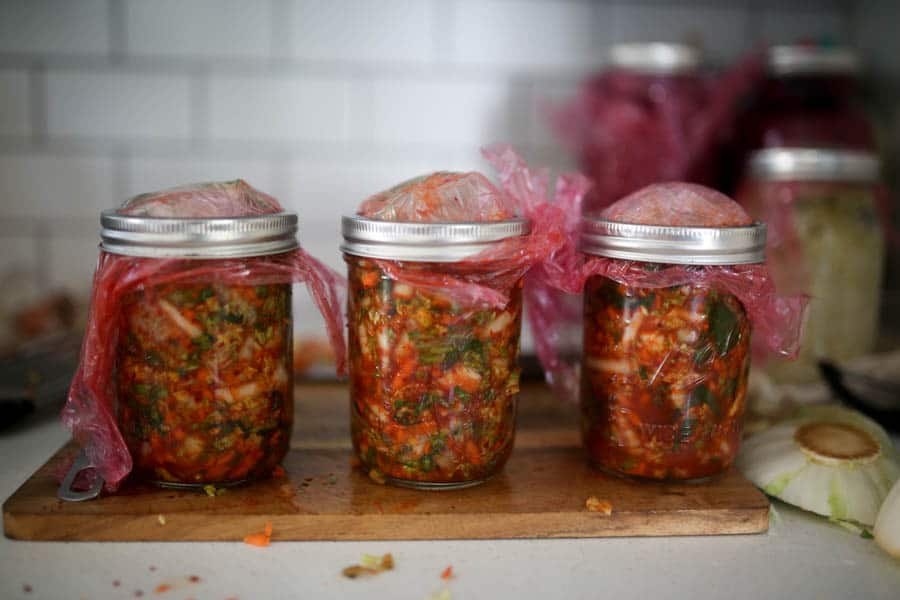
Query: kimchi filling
point(664, 379)
point(433, 384)
point(205, 390)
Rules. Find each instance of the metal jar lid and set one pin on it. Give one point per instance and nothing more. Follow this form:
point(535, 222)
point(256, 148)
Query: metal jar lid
point(228, 237)
point(675, 245)
point(425, 242)
point(815, 164)
point(655, 58)
point(789, 60)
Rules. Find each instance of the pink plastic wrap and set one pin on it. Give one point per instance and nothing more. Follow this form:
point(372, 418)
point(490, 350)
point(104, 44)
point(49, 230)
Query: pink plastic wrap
point(90, 410)
point(462, 197)
point(776, 320)
point(441, 197)
point(631, 129)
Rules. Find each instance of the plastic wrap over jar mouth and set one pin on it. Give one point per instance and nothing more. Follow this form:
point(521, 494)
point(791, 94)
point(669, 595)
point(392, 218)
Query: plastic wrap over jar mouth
point(425, 242)
point(804, 59)
point(674, 245)
point(220, 237)
point(655, 58)
point(815, 164)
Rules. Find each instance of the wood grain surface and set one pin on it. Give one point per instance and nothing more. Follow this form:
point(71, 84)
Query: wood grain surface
point(540, 494)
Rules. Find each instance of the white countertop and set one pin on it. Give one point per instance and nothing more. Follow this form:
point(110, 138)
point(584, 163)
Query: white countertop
point(800, 557)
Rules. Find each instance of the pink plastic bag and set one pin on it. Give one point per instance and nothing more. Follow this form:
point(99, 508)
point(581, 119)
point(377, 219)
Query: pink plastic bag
point(461, 197)
point(776, 320)
point(90, 410)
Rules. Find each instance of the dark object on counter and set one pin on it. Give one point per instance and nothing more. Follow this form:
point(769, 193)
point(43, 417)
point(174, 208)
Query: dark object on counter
point(36, 377)
point(877, 398)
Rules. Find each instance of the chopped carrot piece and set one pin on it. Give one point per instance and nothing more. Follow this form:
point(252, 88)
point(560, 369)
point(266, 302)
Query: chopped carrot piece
point(162, 588)
point(447, 573)
point(260, 539)
point(594, 504)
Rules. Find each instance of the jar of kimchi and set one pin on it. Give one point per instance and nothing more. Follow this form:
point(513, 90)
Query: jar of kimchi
point(203, 363)
point(434, 379)
point(664, 372)
point(826, 240)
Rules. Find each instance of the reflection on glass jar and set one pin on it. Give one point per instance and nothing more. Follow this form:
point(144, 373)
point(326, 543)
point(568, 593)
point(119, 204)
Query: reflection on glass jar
point(204, 381)
point(664, 379)
point(433, 384)
point(826, 240)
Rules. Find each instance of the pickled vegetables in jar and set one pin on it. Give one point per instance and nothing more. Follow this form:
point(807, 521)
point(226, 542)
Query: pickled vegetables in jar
point(185, 376)
point(205, 385)
point(433, 383)
point(675, 276)
point(434, 323)
point(665, 378)
point(827, 240)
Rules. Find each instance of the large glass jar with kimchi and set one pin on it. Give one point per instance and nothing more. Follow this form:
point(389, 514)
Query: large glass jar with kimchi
point(203, 364)
point(434, 377)
point(826, 240)
point(664, 375)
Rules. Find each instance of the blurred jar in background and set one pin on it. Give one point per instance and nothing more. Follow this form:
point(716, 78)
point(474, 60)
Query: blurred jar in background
point(632, 122)
point(811, 98)
point(826, 239)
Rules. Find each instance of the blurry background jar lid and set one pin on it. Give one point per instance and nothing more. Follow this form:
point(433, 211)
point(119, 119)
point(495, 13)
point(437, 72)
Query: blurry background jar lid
point(425, 242)
point(655, 58)
point(674, 245)
point(221, 237)
point(815, 164)
point(810, 59)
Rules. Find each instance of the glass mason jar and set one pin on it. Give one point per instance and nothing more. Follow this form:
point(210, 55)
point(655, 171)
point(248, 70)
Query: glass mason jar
point(433, 381)
point(826, 240)
point(811, 98)
point(650, 91)
point(664, 375)
point(203, 366)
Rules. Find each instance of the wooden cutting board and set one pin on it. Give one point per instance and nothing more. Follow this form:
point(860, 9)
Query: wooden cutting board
point(540, 494)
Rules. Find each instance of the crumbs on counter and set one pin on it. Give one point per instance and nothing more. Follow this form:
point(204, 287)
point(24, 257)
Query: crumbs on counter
point(444, 594)
point(447, 574)
point(594, 504)
point(161, 519)
point(116, 583)
point(260, 539)
point(376, 476)
point(370, 565)
point(138, 593)
point(27, 588)
point(162, 588)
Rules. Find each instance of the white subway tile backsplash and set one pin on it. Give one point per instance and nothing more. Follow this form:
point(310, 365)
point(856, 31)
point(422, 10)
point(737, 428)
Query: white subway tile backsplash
point(280, 109)
point(438, 112)
point(15, 99)
point(720, 29)
point(526, 33)
point(545, 99)
point(205, 28)
point(151, 174)
point(71, 261)
point(349, 30)
point(18, 259)
point(779, 25)
point(37, 185)
point(54, 26)
point(117, 104)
